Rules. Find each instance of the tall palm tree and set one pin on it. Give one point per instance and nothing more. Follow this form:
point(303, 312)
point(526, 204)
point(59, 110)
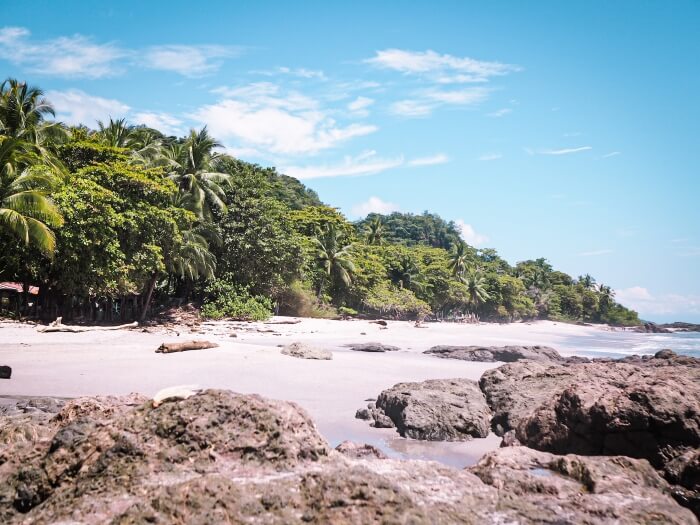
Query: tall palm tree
point(26, 211)
point(476, 287)
point(333, 255)
point(587, 281)
point(116, 133)
point(194, 165)
point(458, 259)
point(406, 274)
point(375, 232)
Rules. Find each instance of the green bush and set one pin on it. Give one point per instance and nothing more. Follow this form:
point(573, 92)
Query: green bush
point(297, 299)
point(227, 300)
point(398, 303)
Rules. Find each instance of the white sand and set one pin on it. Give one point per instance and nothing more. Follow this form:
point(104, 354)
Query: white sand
point(120, 362)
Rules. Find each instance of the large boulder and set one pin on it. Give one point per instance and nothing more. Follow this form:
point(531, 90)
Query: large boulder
point(435, 410)
point(639, 407)
point(220, 457)
point(489, 354)
point(372, 347)
point(305, 351)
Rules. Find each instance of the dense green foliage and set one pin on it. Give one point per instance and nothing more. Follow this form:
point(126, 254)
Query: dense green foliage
point(112, 221)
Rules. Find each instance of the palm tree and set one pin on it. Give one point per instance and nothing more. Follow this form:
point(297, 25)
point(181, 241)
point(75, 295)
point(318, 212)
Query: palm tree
point(406, 274)
point(333, 255)
point(194, 165)
point(26, 211)
point(116, 133)
point(458, 259)
point(375, 232)
point(587, 281)
point(476, 287)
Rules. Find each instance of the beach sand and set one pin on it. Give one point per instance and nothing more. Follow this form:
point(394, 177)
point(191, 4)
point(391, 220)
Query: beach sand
point(124, 361)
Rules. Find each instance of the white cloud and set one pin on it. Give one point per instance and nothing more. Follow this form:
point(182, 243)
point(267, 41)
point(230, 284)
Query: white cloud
point(264, 117)
point(163, 122)
point(411, 108)
point(189, 61)
point(490, 156)
point(428, 100)
point(365, 164)
point(594, 253)
point(499, 113)
point(470, 235)
point(374, 205)
point(444, 68)
point(360, 105)
point(77, 107)
point(563, 151)
point(611, 154)
point(71, 56)
point(643, 301)
point(440, 158)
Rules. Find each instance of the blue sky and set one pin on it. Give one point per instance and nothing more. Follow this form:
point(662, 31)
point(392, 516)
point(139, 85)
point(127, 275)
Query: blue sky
point(564, 130)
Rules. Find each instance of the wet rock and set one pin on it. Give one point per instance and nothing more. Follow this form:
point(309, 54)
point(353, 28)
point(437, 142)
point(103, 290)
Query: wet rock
point(489, 354)
point(652, 328)
point(305, 351)
point(435, 410)
point(373, 347)
point(359, 450)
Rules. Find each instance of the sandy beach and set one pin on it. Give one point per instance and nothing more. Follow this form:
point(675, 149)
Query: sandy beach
point(124, 361)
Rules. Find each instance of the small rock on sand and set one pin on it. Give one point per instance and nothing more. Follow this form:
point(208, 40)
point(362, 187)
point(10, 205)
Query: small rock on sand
point(305, 351)
point(5, 372)
point(372, 347)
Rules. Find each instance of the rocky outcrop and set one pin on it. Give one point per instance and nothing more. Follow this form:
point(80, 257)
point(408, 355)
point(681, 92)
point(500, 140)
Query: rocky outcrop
point(489, 354)
point(435, 410)
point(305, 351)
point(359, 450)
point(652, 328)
point(373, 347)
point(640, 407)
point(219, 457)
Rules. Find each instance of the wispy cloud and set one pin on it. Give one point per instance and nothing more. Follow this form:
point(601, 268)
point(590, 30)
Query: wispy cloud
point(274, 120)
point(163, 122)
point(563, 151)
point(80, 56)
point(441, 68)
point(490, 156)
point(374, 205)
point(367, 163)
point(595, 253)
point(611, 154)
point(470, 235)
point(499, 113)
point(189, 61)
point(440, 158)
point(646, 303)
point(428, 100)
point(359, 106)
point(76, 107)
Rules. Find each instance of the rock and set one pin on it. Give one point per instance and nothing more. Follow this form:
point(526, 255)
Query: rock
point(578, 489)
point(640, 407)
point(652, 328)
point(305, 351)
point(220, 457)
point(5, 372)
point(435, 410)
point(506, 354)
point(359, 450)
point(169, 348)
point(378, 417)
point(373, 347)
point(684, 473)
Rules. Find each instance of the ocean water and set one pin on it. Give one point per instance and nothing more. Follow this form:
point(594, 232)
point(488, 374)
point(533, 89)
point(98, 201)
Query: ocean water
point(621, 344)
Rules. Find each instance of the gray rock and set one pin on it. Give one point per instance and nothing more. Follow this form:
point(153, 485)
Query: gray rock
point(117, 460)
point(506, 354)
point(372, 347)
point(305, 351)
point(435, 410)
point(359, 450)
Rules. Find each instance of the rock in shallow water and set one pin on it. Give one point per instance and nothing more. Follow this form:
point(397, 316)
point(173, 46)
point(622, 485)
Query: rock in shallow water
point(489, 354)
point(222, 457)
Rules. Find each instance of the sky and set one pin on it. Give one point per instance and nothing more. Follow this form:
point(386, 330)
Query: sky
point(564, 130)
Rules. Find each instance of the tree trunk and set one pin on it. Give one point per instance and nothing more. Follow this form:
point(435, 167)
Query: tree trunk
point(149, 296)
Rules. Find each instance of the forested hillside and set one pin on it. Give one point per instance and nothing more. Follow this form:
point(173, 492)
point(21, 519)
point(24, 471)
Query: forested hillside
point(120, 221)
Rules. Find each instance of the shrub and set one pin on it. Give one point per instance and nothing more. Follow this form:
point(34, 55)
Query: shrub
point(398, 303)
point(298, 300)
point(227, 300)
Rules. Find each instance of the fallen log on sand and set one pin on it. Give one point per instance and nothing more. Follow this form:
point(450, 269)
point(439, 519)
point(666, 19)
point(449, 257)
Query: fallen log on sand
point(169, 348)
point(291, 321)
point(57, 326)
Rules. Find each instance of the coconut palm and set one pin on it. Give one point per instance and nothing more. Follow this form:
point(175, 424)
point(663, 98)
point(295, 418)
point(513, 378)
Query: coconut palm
point(333, 255)
point(587, 281)
point(406, 274)
point(194, 165)
point(375, 232)
point(26, 211)
point(476, 287)
point(458, 259)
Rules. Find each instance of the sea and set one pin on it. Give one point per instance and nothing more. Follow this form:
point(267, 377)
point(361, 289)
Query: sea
point(618, 344)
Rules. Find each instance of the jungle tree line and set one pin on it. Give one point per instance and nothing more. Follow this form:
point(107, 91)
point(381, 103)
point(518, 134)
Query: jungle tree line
point(119, 221)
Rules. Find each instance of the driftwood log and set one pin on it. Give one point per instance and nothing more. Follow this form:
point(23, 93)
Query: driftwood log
point(58, 326)
point(290, 321)
point(169, 348)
